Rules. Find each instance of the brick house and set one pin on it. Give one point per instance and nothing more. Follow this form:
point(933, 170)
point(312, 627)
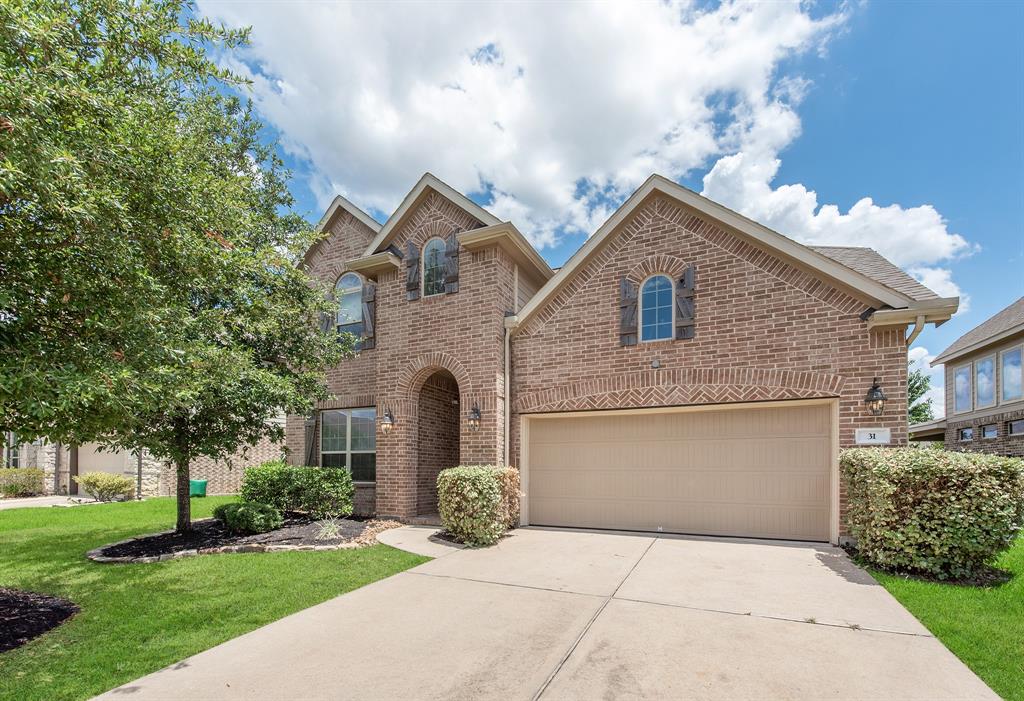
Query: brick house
point(984, 397)
point(687, 370)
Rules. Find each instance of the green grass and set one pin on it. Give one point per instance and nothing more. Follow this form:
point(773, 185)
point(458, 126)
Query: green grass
point(983, 626)
point(138, 618)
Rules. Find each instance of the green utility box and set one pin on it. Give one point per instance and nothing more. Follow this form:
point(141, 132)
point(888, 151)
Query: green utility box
point(197, 488)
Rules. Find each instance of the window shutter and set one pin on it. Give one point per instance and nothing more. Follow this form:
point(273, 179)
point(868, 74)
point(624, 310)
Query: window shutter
point(627, 313)
point(369, 314)
point(310, 439)
point(451, 263)
point(412, 272)
point(327, 321)
point(684, 303)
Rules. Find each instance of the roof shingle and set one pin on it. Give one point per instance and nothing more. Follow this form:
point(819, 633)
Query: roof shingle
point(871, 263)
point(1006, 320)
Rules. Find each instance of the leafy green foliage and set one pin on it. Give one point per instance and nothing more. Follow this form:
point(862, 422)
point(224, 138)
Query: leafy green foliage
point(321, 492)
point(248, 517)
point(478, 503)
point(21, 482)
point(935, 512)
point(918, 384)
point(106, 486)
point(153, 295)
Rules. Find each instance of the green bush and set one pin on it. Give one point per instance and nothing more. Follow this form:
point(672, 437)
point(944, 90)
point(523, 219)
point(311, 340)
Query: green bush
point(106, 486)
point(478, 503)
point(21, 482)
point(321, 492)
point(248, 518)
point(940, 513)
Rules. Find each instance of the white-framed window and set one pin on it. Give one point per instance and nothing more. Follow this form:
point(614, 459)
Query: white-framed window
point(12, 452)
point(1015, 427)
point(1010, 379)
point(349, 294)
point(433, 267)
point(985, 382)
point(989, 431)
point(966, 434)
point(962, 391)
point(657, 309)
point(348, 438)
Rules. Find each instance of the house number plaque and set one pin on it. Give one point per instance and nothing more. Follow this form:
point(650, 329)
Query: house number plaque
point(873, 436)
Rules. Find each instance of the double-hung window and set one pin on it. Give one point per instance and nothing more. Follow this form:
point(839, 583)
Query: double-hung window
point(349, 292)
point(1010, 375)
point(962, 391)
point(348, 438)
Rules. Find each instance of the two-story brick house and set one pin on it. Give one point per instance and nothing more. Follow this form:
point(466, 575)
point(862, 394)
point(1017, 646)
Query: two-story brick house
point(984, 391)
point(687, 370)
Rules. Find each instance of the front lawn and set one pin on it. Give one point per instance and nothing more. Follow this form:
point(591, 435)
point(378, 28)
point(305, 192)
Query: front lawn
point(136, 619)
point(984, 627)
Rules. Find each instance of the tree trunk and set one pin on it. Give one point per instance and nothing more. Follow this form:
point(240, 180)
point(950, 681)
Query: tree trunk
point(184, 505)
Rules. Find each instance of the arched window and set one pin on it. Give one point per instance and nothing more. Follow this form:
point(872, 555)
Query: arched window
point(656, 309)
point(433, 268)
point(349, 293)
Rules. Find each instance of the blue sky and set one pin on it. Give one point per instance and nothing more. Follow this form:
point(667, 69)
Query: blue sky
point(777, 110)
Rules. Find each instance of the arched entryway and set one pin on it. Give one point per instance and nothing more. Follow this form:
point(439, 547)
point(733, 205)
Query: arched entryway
point(437, 439)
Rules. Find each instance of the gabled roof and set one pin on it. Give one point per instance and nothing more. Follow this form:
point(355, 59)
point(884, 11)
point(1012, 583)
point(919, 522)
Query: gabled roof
point(857, 273)
point(871, 263)
point(340, 202)
point(1006, 323)
point(427, 183)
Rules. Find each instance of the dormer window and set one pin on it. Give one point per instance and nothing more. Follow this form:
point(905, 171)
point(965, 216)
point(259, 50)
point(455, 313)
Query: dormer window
point(349, 291)
point(433, 268)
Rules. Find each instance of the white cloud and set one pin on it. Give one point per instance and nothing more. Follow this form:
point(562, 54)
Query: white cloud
point(920, 359)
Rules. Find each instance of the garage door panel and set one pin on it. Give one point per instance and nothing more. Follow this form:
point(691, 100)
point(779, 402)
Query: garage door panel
point(762, 471)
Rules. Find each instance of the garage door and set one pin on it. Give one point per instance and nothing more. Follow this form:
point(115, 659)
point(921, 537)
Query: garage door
point(762, 471)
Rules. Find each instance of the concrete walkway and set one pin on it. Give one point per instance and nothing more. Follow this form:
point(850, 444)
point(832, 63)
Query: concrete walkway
point(559, 614)
point(29, 502)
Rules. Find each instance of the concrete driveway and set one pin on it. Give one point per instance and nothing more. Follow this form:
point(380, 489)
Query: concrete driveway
point(560, 614)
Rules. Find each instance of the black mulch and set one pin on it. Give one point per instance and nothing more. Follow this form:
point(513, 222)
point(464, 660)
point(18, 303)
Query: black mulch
point(25, 615)
point(210, 533)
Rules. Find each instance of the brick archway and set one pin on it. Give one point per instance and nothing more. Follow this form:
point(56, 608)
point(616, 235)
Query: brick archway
point(413, 375)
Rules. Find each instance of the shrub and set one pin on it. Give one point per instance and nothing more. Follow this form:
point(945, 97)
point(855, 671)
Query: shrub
point(478, 503)
point(21, 482)
point(321, 492)
point(940, 513)
point(106, 486)
point(248, 517)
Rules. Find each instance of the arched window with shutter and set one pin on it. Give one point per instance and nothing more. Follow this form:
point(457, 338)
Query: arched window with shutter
point(433, 267)
point(349, 294)
point(657, 305)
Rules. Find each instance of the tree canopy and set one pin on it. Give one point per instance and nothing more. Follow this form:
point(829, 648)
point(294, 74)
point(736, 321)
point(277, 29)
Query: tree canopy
point(918, 410)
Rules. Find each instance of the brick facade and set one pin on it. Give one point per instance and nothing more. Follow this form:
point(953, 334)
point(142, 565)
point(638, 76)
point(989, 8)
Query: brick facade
point(1003, 444)
point(222, 476)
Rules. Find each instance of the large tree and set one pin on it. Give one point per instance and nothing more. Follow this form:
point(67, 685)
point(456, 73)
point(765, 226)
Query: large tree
point(918, 384)
point(152, 295)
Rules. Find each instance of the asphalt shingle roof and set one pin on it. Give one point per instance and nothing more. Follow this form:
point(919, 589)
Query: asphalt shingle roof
point(1009, 318)
point(871, 263)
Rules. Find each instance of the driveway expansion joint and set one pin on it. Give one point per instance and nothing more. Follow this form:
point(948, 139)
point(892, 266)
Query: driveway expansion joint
point(505, 584)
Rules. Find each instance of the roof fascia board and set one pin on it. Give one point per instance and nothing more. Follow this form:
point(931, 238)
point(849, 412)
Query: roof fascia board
point(375, 264)
point(979, 345)
point(340, 202)
point(515, 244)
point(903, 317)
point(428, 181)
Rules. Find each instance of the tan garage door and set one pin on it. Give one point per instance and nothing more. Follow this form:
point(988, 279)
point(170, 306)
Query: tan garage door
point(762, 471)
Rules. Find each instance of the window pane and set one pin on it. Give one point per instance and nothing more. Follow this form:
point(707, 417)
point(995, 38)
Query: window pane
point(1015, 427)
point(985, 379)
point(656, 309)
point(364, 467)
point(334, 431)
point(966, 434)
point(433, 268)
point(332, 460)
point(962, 389)
point(1011, 372)
point(364, 429)
point(349, 292)
point(988, 431)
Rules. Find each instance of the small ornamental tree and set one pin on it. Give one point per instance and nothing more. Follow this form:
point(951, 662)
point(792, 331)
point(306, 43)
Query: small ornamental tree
point(918, 410)
point(152, 293)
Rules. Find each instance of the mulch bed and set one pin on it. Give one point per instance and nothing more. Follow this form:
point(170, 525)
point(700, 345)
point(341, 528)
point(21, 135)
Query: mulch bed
point(209, 536)
point(25, 615)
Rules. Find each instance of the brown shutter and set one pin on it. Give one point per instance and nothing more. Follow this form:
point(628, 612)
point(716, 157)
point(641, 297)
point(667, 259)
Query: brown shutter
point(684, 303)
point(627, 313)
point(412, 272)
point(451, 263)
point(311, 439)
point(369, 314)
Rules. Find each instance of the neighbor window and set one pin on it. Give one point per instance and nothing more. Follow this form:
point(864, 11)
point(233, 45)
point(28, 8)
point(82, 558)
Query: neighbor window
point(656, 309)
point(348, 438)
point(433, 268)
point(985, 382)
point(349, 292)
point(12, 455)
point(1010, 372)
point(962, 389)
point(967, 434)
point(989, 431)
point(1015, 428)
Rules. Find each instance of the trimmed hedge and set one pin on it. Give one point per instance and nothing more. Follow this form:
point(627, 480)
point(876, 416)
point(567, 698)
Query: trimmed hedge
point(478, 503)
point(21, 482)
point(248, 518)
point(106, 486)
point(321, 492)
point(935, 512)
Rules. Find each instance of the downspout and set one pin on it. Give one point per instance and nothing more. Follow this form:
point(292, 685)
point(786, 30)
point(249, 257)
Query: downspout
point(57, 450)
point(508, 387)
point(918, 328)
point(138, 476)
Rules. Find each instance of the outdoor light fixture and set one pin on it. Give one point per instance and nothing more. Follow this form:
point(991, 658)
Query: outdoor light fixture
point(474, 418)
point(875, 399)
point(387, 422)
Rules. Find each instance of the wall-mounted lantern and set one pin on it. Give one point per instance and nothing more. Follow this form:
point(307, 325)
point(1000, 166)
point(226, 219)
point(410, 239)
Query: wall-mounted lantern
point(474, 418)
point(387, 422)
point(875, 399)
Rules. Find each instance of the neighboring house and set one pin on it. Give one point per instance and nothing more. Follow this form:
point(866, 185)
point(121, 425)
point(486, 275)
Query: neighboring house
point(687, 370)
point(984, 391)
point(157, 478)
